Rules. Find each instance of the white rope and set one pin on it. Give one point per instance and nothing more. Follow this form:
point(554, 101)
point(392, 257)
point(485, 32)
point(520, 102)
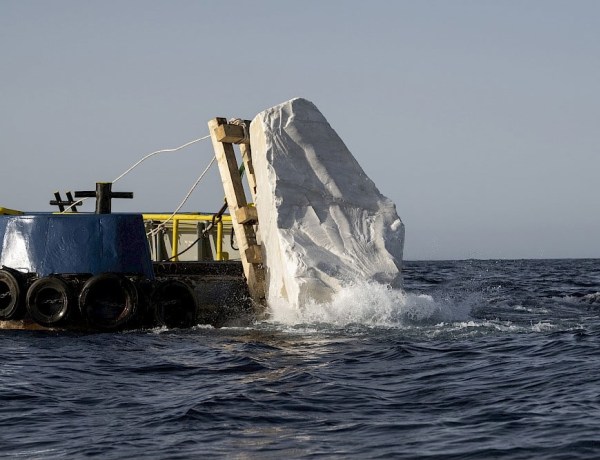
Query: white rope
point(144, 158)
point(78, 202)
point(162, 225)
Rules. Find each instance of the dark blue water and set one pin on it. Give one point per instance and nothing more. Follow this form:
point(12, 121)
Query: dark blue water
point(504, 363)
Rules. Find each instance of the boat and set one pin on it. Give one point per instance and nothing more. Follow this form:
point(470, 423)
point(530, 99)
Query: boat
point(107, 271)
point(324, 223)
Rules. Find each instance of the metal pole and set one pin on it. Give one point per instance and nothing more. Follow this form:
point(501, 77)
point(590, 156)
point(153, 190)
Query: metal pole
point(103, 197)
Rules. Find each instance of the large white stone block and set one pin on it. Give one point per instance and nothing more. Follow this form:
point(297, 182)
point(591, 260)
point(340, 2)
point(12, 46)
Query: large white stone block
point(324, 224)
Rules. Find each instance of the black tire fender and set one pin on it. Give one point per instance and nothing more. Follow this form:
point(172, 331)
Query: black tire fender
point(12, 305)
point(50, 301)
point(174, 304)
point(108, 301)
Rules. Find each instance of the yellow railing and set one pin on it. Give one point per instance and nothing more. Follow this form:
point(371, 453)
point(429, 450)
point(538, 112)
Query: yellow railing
point(178, 218)
point(10, 212)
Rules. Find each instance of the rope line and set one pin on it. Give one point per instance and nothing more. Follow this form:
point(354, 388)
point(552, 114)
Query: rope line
point(141, 160)
point(162, 225)
point(215, 219)
point(78, 202)
point(145, 157)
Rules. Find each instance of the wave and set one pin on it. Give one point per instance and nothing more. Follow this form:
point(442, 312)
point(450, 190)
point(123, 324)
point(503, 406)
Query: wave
point(589, 299)
point(371, 304)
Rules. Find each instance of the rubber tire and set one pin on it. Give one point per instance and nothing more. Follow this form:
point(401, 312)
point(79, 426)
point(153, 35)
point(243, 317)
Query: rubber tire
point(43, 295)
point(108, 301)
point(174, 305)
point(12, 306)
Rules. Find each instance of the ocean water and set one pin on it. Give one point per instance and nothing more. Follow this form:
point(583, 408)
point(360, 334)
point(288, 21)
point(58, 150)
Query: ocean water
point(477, 359)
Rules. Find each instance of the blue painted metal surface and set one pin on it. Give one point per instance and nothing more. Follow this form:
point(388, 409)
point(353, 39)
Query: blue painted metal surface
point(82, 243)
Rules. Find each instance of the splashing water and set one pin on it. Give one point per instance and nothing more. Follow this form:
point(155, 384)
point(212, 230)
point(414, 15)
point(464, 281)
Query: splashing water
point(371, 304)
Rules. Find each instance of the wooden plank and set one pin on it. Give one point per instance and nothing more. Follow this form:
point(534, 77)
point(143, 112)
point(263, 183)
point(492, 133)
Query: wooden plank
point(233, 134)
point(247, 215)
point(254, 254)
point(236, 199)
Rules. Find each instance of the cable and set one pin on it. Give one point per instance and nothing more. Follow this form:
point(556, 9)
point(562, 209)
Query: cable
point(144, 158)
point(215, 219)
point(160, 226)
point(185, 250)
point(77, 203)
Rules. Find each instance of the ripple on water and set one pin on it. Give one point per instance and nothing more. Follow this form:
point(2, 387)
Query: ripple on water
point(479, 359)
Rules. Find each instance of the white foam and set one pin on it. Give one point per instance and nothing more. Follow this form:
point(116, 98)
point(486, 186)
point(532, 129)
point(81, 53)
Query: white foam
point(369, 304)
point(543, 326)
point(324, 225)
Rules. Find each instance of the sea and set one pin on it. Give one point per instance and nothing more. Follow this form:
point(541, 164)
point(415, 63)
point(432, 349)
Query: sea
point(474, 359)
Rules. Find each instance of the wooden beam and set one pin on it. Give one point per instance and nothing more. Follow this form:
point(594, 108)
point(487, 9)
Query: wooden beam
point(233, 134)
point(254, 254)
point(247, 215)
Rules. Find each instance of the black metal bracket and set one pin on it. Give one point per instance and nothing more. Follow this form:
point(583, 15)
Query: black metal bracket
point(70, 203)
point(104, 196)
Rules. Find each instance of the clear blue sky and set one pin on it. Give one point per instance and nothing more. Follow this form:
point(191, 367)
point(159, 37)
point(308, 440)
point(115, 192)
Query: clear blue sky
point(478, 118)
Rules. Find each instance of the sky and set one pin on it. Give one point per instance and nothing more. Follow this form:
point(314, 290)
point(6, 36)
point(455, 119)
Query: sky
point(479, 119)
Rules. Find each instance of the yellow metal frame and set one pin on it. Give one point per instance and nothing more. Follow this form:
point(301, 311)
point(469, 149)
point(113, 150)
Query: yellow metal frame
point(177, 218)
point(10, 212)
